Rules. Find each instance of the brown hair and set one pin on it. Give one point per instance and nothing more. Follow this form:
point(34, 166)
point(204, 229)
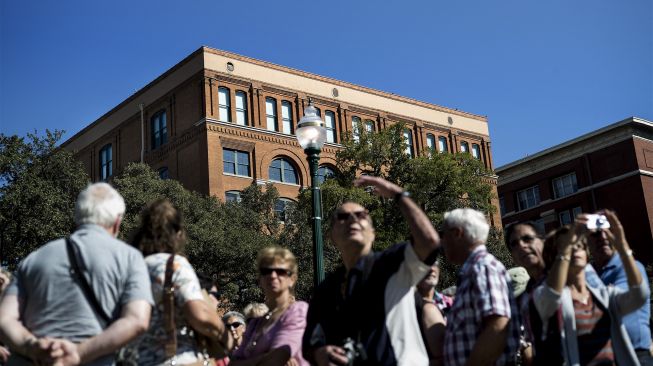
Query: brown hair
point(550, 250)
point(269, 255)
point(161, 229)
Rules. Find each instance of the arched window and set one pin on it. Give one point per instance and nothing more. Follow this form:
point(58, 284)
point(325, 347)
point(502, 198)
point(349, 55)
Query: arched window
point(476, 151)
point(464, 147)
point(271, 113)
point(330, 125)
point(241, 108)
point(408, 140)
point(224, 104)
point(430, 143)
point(355, 128)
point(159, 129)
point(106, 162)
point(442, 144)
point(286, 117)
point(369, 125)
point(281, 170)
point(324, 173)
point(281, 209)
point(232, 196)
point(318, 111)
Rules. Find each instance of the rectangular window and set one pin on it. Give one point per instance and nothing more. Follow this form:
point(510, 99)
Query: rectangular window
point(565, 185)
point(235, 162)
point(224, 104)
point(286, 117)
point(476, 151)
point(565, 217)
point(106, 162)
point(159, 129)
point(232, 196)
point(369, 126)
point(430, 143)
point(408, 140)
point(355, 128)
point(528, 198)
point(502, 205)
point(271, 113)
point(442, 144)
point(464, 147)
point(576, 211)
point(241, 108)
point(330, 125)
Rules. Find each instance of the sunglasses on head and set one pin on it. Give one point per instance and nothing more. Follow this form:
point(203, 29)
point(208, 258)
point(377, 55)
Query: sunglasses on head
point(344, 216)
point(279, 271)
point(234, 325)
point(525, 238)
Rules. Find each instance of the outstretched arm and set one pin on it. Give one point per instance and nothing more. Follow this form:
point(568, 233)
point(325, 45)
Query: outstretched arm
point(425, 237)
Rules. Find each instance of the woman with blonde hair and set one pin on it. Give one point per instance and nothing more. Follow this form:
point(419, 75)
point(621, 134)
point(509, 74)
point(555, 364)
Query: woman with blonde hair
point(161, 237)
point(276, 337)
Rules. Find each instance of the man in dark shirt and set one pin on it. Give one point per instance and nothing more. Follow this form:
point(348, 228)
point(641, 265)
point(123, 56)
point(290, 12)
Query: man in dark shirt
point(370, 299)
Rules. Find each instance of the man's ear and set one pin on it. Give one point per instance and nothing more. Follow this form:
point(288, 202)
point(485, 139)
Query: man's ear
point(457, 232)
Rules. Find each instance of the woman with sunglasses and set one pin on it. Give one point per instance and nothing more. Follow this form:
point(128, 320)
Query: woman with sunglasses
point(581, 316)
point(276, 337)
point(235, 323)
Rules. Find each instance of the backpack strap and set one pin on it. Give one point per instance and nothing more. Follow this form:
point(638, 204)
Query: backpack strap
point(168, 310)
point(77, 274)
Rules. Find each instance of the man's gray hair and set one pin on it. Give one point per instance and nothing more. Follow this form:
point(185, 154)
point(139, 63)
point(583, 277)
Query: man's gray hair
point(99, 204)
point(473, 223)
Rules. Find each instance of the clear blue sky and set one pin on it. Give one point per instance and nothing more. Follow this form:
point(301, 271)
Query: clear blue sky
point(542, 71)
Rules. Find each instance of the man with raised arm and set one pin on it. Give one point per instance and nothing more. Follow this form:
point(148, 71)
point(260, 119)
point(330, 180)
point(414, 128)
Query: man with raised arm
point(366, 309)
point(45, 315)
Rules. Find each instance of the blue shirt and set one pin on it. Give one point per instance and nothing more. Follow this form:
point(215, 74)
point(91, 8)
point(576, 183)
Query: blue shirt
point(637, 323)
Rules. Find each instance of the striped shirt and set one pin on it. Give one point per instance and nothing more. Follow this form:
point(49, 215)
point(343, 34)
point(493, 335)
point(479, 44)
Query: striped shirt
point(593, 331)
point(483, 291)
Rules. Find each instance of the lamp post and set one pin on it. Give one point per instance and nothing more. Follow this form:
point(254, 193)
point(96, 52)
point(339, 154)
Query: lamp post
point(311, 135)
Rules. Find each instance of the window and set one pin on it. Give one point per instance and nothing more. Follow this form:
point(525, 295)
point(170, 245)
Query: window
point(568, 216)
point(476, 151)
point(106, 162)
point(271, 113)
point(159, 129)
point(369, 126)
point(430, 143)
point(528, 198)
point(355, 128)
point(224, 104)
point(565, 185)
point(318, 111)
point(235, 162)
point(502, 205)
point(464, 147)
point(442, 144)
point(232, 196)
point(324, 173)
point(286, 117)
point(281, 170)
point(576, 211)
point(164, 173)
point(408, 139)
point(330, 125)
point(241, 108)
point(281, 209)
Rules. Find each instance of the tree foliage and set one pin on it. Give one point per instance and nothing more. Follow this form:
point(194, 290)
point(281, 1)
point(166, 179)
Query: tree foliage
point(38, 187)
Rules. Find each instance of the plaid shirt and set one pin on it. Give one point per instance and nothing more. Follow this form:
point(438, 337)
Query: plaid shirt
point(483, 290)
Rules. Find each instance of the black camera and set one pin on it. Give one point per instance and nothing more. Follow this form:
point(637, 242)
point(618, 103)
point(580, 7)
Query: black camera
point(353, 351)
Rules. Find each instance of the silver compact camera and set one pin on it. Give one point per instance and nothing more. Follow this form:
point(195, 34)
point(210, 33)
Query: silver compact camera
point(597, 222)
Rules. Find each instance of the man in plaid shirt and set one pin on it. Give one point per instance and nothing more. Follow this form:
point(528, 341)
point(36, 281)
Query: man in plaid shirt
point(482, 327)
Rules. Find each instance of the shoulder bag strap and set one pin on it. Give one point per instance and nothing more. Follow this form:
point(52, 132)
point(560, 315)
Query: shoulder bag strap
point(86, 288)
point(168, 310)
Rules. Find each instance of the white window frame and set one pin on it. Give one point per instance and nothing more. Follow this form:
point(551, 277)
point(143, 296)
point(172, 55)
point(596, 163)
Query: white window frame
point(408, 140)
point(565, 185)
point(271, 114)
point(286, 117)
point(442, 144)
point(476, 151)
point(330, 125)
point(241, 108)
point(534, 198)
point(224, 104)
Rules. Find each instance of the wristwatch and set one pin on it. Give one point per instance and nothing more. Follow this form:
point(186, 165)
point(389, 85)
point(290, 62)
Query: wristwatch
point(401, 195)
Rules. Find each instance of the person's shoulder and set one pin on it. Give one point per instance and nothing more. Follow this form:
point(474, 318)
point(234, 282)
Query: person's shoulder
point(299, 307)
point(45, 252)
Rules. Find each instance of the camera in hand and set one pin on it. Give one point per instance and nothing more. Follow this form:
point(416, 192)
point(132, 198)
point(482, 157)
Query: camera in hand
point(353, 351)
point(597, 222)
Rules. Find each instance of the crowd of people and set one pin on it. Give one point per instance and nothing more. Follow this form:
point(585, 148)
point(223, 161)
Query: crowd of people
point(93, 299)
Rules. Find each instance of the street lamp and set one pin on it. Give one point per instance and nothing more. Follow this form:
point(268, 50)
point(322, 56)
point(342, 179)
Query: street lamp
point(311, 135)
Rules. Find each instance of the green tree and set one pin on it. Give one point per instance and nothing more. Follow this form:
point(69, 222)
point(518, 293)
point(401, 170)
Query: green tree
point(38, 187)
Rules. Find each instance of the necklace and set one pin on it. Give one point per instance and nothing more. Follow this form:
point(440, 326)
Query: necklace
point(261, 325)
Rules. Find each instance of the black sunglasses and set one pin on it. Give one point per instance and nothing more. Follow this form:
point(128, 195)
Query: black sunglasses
point(234, 325)
point(358, 215)
point(525, 238)
point(279, 271)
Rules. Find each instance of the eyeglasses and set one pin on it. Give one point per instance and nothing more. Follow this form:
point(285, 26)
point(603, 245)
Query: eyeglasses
point(279, 271)
point(234, 325)
point(358, 215)
point(525, 238)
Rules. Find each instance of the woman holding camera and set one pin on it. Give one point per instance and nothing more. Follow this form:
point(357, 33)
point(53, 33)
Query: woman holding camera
point(276, 337)
point(580, 315)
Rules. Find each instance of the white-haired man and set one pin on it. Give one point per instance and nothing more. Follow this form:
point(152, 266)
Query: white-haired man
point(46, 316)
point(479, 329)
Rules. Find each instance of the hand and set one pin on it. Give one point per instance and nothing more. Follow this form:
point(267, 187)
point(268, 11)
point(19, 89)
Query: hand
point(381, 186)
point(237, 339)
point(4, 354)
point(292, 362)
point(616, 234)
point(65, 353)
point(566, 240)
point(330, 355)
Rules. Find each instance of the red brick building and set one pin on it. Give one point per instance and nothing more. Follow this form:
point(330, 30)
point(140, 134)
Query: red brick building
point(608, 168)
point(218, 121)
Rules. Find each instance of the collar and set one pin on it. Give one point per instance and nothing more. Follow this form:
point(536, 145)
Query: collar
point(92, 227)
point(478, 251)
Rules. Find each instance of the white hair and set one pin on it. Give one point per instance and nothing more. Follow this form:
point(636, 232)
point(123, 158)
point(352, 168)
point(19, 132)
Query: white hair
point(99, 204)
point(475, 227)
